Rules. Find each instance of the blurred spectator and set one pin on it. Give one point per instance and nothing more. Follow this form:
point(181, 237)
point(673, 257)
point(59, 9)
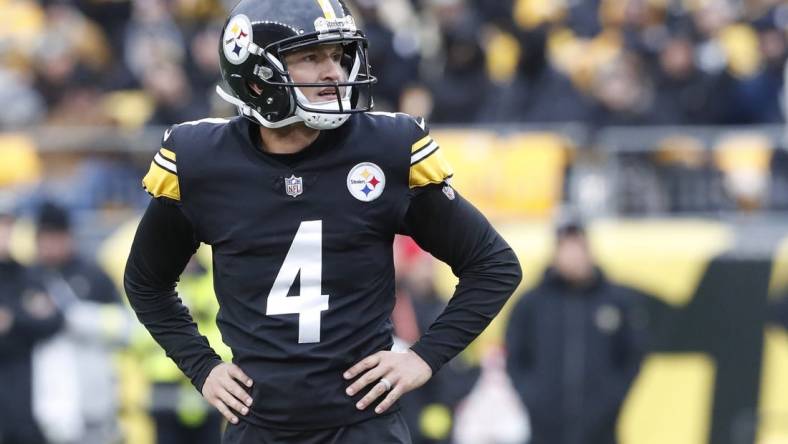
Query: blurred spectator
point(152, 38)
point(683, 91)
point(779, 179)
point(27, 316)
point(641, 23)
point(393, 54)
point(172, 94)
point(624, 93)
point(111, 16)
point(773, 45)
point(28, 105)
point(459, 83)
point(574, 347)
point(97, 323)
point(72, 54)
point(538, 92)
point(202, 67)
point(749, 88)
point(463, 85)
point(583, 17)
point(156, 53)
point(492, 412)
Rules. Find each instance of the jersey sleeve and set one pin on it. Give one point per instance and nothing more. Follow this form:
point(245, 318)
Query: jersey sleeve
point(162, 177)
point(427, 162)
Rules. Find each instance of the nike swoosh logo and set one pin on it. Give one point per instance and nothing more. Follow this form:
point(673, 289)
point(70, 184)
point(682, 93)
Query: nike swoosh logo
point(167, 134)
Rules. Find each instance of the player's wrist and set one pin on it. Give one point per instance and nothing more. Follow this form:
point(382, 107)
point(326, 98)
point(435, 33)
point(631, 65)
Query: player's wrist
point(424, 355)
point(208, 368)
point(420, 360)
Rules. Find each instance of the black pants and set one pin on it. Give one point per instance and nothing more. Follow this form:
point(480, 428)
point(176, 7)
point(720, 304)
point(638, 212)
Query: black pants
point(386, 429)
point(170, 430)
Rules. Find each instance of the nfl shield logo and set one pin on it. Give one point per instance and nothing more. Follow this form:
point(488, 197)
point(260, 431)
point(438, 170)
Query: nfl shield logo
point(294, 186)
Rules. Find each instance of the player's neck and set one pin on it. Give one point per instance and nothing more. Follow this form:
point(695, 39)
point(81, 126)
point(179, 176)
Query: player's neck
point(288, 140)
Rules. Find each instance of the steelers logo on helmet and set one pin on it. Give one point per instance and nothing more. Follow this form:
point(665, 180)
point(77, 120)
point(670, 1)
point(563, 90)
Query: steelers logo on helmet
point(236, 39)
point(366, 181)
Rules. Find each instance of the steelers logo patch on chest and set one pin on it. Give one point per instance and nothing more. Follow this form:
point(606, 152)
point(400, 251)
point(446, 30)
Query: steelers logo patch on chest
point(366, 181)
point(236, 38)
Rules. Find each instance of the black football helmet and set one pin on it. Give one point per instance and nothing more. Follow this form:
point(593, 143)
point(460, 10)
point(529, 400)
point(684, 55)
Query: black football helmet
point(255, 38)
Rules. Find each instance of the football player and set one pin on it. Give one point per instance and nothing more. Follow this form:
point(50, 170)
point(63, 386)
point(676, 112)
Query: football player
point(300, 198)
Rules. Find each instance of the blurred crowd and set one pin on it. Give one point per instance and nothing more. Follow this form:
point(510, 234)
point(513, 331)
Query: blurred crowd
point(607, 62)
point(61, 320)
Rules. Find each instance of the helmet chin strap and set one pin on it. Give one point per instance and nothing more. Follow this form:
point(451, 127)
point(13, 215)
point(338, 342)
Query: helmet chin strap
point(318, 120)
point(312, 119)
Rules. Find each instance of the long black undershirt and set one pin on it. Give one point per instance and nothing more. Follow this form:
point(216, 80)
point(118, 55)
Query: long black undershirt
point(452, 230)
point(162, 247)
point(455, 232)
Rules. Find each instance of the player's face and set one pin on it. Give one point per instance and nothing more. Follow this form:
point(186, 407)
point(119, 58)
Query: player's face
point(318, 64)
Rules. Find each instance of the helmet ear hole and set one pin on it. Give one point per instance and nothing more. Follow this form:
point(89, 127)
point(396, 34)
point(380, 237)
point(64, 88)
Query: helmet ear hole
point(348, 56)
point(255, 90)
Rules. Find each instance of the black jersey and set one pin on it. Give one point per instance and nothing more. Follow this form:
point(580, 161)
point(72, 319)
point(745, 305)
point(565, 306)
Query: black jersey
point(302, 256)
point(302, 248)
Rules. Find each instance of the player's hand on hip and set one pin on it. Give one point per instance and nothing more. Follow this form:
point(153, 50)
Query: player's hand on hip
point(389, 373)
point(222, 389)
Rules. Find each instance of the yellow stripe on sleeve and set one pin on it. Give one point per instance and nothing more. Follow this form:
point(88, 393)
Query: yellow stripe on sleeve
point(169, 155)
point(421, 143)
point(161, 183)
point(433, 169)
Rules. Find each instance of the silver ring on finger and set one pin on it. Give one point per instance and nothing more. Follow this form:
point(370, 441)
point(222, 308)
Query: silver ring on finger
point(386, 383)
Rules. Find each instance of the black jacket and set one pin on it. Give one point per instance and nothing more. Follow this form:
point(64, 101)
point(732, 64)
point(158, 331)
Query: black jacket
point(86, 282)
point(17, 292)
point(572, 356)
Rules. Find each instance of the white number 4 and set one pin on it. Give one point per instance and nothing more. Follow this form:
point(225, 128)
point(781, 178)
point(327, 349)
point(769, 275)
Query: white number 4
point(305, 255)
